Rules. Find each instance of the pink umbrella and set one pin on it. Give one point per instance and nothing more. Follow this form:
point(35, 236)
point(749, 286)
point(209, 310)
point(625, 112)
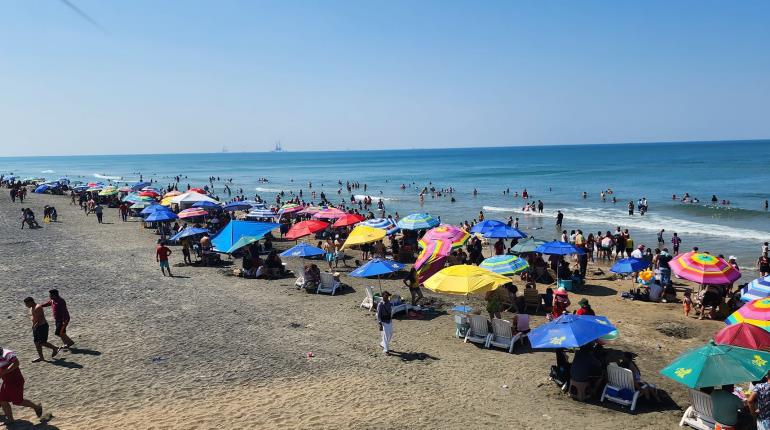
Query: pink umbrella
point(192, 213)
point(432, 258)
point(704, 269)
point(329, 213)
point(456, 236)
point(309, 210)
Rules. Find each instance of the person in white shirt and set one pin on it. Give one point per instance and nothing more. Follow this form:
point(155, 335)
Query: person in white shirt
point(638, 252)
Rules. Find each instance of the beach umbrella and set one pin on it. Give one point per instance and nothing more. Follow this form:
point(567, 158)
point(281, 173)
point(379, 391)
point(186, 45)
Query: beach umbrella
point(172, 194)
point(236, 206)
point(432, 258)
point(756, 289)
point(629, 265)
point(167, 201)
point(454, 235)
point(188, 232)
point(486, 225)
point(42, 188)
point(362, 234)
point(347, 219)
point(242, 242)
point(418, 221)
point(136, 186)
point(139, 205)
point(290, 208)
point(148, 193)
point(504, 232)
point(206, 205)
point(505, 264)
point(558, 248)
point(744, 335)
point(192, 213)
point(124, 189)
point(108, 192)
point(527, 245)
point(155, 190)
point(377, 267)
point(714, 365)
point(161, 216)
point(386, 224)
point(305, 228)
point(570, 331)
point(197, 190)
point(705, 269)
point(303, 250)
point(756, 313)
point(329, 213)
point(310, 210)
point(261, 213)
point(464, 279)
point(154, 208)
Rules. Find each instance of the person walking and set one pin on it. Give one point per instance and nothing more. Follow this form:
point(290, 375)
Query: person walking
point(12, 387)
point(161, 256)
point(99, 211)
point(61, 316)
point(384, 318)
point(39, 329)
point(759, 404)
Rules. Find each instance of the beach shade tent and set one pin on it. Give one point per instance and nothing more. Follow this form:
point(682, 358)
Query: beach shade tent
point(570, 331)
point(418, 221)
point(303, 250)
point(42, 188)
point(235, 206)
point(386, 224)
point(629, 265)
point(448, 233)
point(505, 264)
point(305, 228)
point(347, 219)
point(161, 216)
point(714, 365)
point(464, 279)
point(431, 259)
point(527, 245)
point(744, 335)
point(189, 232)
point(206, 205)
point(192, 213)
point(362, 234)
point(756, 313)
point(236, 229)
point(329, 213)
point(486, 225)
point(756, 289)
point(189, 198)
point(705, 269)
point(261, 213)
point(377, 267)
point(504, 232)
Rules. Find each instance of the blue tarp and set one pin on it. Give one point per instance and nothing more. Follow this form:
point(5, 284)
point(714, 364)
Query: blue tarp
point(235, 230)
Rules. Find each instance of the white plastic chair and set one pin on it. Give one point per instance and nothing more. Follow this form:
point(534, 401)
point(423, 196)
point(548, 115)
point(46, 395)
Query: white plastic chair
point(620, 380)
point(328, 284)
point(479, 330)
point(368, 301)
point(502, 335)
point(700, 414)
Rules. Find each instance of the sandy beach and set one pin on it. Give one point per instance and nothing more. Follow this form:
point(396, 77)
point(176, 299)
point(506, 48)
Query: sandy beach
point(206, 350)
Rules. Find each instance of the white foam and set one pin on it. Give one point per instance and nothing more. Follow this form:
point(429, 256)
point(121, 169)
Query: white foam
point(112, 178)
point(374, 198)
point(267, 190)
point(650, 221)
point(48, 171)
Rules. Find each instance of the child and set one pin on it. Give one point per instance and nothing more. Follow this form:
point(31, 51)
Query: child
point(687, 303)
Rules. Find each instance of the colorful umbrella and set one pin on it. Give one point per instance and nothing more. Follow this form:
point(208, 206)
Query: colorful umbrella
point(172, 194)
point(504, 232)
point(527, 245)
point(464, 280)
point(456, 236)
point(329, 213)
point(570, 331)
point(305, 228)
point(629, 265)
point(310, 210)
point(148, 193)
point(303, 250)
point(714, 365)
point(756, 313)
point(744, 335)
point(432, 258)
point(289, 208)
point(386, 224)
point(192, 213)
point(140, 205)
point(261, 213)
point(362, 234)
point(486, 225)
point(167, 201)
point(704, 269)
point(756, 289)
point(197, 190)
point(505, 264)
point(108, 192)
point(347, 219)
point(418, 221)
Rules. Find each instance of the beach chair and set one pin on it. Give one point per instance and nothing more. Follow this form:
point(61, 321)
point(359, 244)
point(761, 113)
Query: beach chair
point(369, 302)
point(699, 415)
point(532, 299)
point(502, 335)
point(522, 327)
point(620, 387)
point(479, 330)
point(328, 284)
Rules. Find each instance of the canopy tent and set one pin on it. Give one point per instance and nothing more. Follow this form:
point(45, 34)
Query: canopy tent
point(189, 198)
point(235, 230)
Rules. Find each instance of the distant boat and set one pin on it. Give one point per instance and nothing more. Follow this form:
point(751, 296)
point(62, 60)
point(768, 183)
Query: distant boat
point(278, 147)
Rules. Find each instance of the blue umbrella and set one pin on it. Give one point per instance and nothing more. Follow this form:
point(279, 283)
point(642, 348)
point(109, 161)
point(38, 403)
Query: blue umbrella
point(629, 265)
point(486, 225)
point(418, 221)
point(756, 289)
point(303, 250)
point(558, 248)
point(261, 213)
point(161, 216)
point(41, 189)
point(237, 206)
point(189, 231)
point(136, 186)
point(570, 331)
point(504, 232)
point(377, 267)
point(205, 204)
point(154, 208)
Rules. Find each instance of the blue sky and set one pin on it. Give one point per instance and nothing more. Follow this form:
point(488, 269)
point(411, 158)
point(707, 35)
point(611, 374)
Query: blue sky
point(192, 76)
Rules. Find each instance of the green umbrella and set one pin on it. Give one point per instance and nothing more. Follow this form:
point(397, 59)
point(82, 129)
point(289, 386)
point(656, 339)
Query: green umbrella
point(243, 241)
point(527, 245)
point(714, 365)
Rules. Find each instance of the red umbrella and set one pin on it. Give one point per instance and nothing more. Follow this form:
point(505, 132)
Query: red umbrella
point(744, 335)
point(152, 194)
point(198, 190)
point(348, 219)
point(305, 228)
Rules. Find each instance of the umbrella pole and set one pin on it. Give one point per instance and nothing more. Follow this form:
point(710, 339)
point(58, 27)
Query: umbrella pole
point(379, 281)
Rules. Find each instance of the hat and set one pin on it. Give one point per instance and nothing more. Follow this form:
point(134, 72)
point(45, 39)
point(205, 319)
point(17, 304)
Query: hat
point(731, 258)
point(583, 302)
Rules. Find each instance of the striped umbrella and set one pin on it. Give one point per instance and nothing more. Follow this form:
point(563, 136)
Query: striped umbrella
point(418, 221)
point(310, 210)
point(386, 224)
point(305, 228)
point(456, 236)
point(756, 289)
point(261, 213)
point(432, 258)
point(756, 313)
point(505, 264)
point(172, 194)
point(192, 213)
point(290, 208)
point(329, 213)
point(704, 269)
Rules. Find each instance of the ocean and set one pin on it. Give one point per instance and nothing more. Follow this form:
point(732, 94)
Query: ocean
point(735, 171)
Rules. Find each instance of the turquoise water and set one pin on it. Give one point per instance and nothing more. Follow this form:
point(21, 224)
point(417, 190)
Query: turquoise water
point(558, 175)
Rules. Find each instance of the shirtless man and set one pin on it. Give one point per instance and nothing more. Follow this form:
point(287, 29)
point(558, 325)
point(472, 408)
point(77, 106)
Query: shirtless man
point(39, 329)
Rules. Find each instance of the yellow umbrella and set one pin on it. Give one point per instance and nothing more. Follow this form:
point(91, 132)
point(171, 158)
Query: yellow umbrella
point(172, 194)
point(464, 279)
point(363, 234)
point(108, 192)
point(167, 201)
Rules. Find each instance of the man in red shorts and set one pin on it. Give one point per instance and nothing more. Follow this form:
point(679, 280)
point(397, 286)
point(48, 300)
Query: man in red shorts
point(12, 386)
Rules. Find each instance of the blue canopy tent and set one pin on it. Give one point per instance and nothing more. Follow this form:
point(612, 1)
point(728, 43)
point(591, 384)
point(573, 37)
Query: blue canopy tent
point(234, 230)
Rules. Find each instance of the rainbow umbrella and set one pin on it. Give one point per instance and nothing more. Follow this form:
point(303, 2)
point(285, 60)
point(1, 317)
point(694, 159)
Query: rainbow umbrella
point(419, 221)
point(329, 213)
point(505, 264)
point(192, 213)
point(756, 313)
point(432, 258)
point(756, 289)
point(456, 236)
point(704, 269)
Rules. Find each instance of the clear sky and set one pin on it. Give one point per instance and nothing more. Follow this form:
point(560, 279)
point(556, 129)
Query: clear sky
point(192, 76)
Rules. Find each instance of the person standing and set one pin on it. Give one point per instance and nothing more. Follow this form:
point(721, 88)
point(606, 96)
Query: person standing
point(161, 256)
point(759, 404)
point(661, 241)
point(675, 242)
point(39, 329)
point(12, 387)
point(559, 219)
point(384, 318)
point(123, 211)
point(412, 282)
point(99, 211)
point(61, 316)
